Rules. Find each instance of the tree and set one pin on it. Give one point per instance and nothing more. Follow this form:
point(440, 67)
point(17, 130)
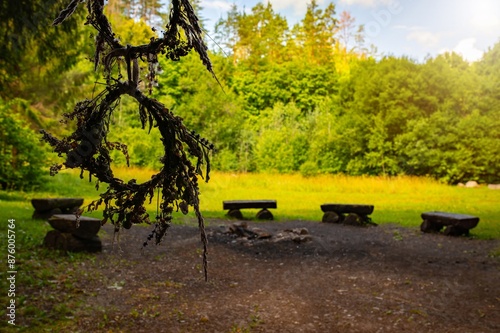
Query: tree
point(21, 157)
point(31, 47)
point(315, 33)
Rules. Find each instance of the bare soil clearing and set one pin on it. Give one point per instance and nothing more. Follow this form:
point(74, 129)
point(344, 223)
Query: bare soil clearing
point(344, 279)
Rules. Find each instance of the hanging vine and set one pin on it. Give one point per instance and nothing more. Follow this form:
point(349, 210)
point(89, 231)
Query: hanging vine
point(88, 148)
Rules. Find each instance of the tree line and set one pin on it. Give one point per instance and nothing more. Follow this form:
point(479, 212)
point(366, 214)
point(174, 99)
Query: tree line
point(310, 98)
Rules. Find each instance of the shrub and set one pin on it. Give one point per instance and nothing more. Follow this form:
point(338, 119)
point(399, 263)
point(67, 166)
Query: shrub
point(21, 154)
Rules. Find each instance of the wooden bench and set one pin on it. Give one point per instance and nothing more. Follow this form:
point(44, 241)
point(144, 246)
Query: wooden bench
point(234, 207)
point(73, 235)
point(46, 207)
point(456, 224)
point(347, 214)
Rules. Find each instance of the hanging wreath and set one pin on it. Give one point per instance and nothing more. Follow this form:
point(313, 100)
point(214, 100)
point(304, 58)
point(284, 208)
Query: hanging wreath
point(89, 149)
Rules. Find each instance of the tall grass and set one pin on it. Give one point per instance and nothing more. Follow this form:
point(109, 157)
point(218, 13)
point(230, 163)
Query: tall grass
point(398, 200)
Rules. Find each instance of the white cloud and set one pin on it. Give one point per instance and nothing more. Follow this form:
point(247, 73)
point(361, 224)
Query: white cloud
point(424, 38)
point(298, 6)
point(367, 3)
point(468, 50)
point(486, 21)
point(217, 4)
point(484, 14)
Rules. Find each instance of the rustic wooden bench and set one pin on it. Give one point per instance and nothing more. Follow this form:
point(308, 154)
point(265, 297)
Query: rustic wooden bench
point(234, 207)
point(72, 234)
point(46, 207)
point(347, 214)
point(456, 224)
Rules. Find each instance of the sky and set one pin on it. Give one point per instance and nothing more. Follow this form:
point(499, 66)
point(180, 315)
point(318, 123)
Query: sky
point(414, 28)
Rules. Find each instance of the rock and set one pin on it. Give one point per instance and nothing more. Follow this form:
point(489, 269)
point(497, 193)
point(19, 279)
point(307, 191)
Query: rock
point(57, 240)
point(261, 233)
point(461, 185)
point(298, 231)
point(301, 238)
point(87, 229)
point(471, 184)
point(494, 186)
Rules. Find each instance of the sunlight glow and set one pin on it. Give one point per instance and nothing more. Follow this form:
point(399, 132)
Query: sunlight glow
point(485, 14)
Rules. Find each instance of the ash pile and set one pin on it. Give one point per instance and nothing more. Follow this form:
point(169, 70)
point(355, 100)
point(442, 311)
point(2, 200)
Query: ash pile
point(241, 233)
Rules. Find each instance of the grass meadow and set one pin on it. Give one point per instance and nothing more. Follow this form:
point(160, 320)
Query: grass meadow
point(398, 200)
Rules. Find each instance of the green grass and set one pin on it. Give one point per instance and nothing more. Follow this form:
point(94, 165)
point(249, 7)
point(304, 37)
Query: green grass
point(398, 200)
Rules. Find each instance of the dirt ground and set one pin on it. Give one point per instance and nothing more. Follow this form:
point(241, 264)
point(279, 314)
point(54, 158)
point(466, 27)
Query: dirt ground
point(341, 279)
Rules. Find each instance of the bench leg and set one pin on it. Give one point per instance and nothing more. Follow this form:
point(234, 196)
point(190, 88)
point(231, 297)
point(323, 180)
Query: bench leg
point(452, 230)
point(331, 217)
point(428, 226)
point(265, 214)
point(235, 214)
point(353, 219)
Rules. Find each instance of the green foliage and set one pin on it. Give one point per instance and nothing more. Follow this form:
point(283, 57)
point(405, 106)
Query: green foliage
point(306, 98)
point(281, 144)
point(21, 157)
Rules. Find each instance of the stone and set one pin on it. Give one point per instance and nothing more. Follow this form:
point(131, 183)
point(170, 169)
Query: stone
point(261, 233)
point(66, 223)
point(57, 240)
point(298, 231)
point(494, 186)
point(471, 184)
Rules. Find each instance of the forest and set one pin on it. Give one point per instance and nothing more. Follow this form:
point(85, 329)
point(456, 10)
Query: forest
point(310, 98)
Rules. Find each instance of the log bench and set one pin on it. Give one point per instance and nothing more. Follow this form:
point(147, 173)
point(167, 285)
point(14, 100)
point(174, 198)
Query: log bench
point(73, 235)
point(347, 214)
point(46, 207)
point(234, 207)
point(456, 224)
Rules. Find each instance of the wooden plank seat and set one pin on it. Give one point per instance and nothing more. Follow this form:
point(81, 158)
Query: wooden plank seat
point(234, 206)
point(46, 207)
point(456, 224)
point(72, 234)
point(352, 214)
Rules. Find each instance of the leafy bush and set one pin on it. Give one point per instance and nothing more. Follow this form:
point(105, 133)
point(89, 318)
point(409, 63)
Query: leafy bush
point(22, 156)
point(309, 169)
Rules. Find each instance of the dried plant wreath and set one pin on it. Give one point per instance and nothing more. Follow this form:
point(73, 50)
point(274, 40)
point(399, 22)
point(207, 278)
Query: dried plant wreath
point(88, 148)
